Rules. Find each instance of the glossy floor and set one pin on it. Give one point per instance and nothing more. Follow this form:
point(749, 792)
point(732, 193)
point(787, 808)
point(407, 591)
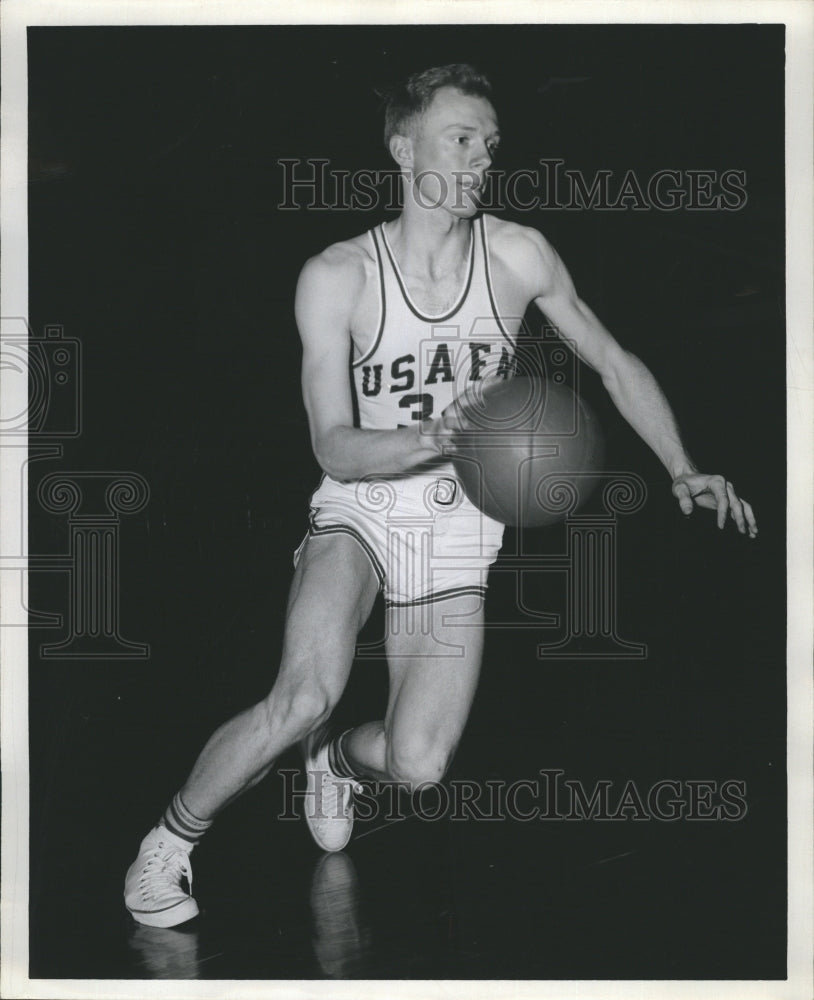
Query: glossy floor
point(420, 897)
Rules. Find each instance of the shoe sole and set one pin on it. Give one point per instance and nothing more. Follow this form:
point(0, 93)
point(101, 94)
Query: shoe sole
point(329, 848)
point(170, 917)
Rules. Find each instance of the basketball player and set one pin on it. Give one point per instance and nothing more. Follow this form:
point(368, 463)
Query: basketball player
point(425, 305)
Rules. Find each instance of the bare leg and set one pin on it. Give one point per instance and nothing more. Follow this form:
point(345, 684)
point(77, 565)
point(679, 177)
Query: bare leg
point(431, 690)
point(331, 597)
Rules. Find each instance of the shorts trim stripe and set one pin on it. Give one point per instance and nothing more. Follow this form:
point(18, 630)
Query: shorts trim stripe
point(344, 529)
point(440, 595)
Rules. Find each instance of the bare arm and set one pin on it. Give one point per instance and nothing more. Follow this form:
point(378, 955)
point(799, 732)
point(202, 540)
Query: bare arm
point(627, 379)
point(635, 393)
point(327, 290)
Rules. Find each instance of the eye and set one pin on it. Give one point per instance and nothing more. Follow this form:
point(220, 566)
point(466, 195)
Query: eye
point(461, 138)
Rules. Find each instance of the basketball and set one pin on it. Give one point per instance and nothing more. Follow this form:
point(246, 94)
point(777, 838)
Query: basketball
point(531, 450)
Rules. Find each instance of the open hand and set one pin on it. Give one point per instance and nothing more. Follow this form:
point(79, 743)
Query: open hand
point(718, 494)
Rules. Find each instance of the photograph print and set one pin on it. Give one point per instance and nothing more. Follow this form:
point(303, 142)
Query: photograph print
point(406, 502)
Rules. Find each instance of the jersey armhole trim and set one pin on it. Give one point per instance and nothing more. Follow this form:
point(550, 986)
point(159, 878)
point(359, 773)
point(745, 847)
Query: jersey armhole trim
point(382, 305)
point(488, 269)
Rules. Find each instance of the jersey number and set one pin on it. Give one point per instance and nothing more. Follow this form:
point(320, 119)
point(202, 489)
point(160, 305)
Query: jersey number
point(422, 403)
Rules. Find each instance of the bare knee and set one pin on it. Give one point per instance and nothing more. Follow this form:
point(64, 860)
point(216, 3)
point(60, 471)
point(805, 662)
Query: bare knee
point(417, 760)
point(297, 709)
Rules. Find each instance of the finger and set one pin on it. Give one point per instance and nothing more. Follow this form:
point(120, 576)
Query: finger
point(446, 428)
point(750, 518)
point(459, 402)
point(706, 500)
point(736, 508)
point(456, 416)
point(682, 493)
point(457, 423)
point(717, 486)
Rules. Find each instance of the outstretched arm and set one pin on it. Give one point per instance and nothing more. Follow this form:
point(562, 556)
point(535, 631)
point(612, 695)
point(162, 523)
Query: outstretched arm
point(327, 291)
point(636, 394)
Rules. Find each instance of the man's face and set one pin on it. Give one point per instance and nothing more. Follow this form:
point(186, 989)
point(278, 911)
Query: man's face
point(453, 146)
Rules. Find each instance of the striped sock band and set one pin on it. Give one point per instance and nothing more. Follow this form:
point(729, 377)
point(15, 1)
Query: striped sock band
point(337, 759)
point(180, 821)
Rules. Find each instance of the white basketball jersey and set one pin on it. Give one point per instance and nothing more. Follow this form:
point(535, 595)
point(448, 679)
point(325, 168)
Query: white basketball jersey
point(417, 364)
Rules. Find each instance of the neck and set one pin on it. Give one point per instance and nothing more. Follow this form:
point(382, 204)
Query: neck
point(429, 241)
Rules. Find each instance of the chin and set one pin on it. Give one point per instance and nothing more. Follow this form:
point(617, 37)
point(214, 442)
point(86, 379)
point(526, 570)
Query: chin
point(468, 213)
point(465, 208)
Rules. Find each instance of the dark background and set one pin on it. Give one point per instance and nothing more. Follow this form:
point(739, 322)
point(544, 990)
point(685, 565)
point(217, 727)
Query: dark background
point(156, 241)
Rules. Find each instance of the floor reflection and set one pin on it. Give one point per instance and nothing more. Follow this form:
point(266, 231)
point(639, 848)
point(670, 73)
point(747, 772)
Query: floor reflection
point(165, 952)
point(341, 938)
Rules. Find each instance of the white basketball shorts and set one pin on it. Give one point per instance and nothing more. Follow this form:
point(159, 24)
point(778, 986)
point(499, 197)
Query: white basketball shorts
point(425, 540)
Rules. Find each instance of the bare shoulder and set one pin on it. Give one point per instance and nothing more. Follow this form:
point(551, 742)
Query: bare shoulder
point(523, 250)
point(337, 275)
point(336, 291)
point(510, 239)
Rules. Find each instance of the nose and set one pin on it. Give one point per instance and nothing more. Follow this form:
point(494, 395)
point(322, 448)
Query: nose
point(481, 157)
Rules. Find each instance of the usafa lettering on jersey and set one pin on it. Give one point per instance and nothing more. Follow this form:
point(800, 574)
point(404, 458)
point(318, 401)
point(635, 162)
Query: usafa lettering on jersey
point(418, 364)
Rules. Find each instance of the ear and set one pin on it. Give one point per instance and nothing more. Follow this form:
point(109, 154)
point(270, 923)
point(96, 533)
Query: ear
point(401, 149)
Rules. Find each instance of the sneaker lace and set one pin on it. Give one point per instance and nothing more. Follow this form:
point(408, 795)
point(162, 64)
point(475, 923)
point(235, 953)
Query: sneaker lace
point(352, 787)
point(164, 870)
point(337, 793)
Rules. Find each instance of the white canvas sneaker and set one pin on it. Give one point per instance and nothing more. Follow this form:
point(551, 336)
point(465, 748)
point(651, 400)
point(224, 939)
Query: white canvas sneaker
point(329, 798)
point(153, 891)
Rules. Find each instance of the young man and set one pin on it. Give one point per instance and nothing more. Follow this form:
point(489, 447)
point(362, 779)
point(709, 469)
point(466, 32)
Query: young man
point(426, 305)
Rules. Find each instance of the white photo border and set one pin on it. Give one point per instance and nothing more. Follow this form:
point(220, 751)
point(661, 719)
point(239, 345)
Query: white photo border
point(798, 17)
